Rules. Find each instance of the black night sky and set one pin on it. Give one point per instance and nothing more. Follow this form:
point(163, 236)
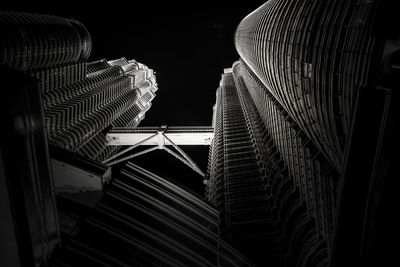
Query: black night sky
point(188, 45)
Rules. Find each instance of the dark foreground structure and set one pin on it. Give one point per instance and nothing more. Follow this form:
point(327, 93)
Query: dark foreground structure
point(302, 166)
point(303, 162)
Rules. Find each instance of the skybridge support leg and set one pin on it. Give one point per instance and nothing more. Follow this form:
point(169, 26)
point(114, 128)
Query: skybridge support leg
point(161, 141)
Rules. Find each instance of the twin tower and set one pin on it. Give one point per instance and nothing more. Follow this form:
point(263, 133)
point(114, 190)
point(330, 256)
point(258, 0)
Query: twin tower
point(300, 162)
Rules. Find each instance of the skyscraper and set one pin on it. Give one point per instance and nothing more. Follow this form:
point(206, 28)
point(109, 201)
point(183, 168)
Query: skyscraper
point(115, 93)
point(302, 168)
point(293, 132)
point(62, 206)
point(80, 99)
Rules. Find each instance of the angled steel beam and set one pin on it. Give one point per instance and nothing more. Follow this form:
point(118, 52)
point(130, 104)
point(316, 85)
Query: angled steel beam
point(130, 148)
point(193, 135)
point(191, 162)
point(159, 138)
point(133, 155)
point(188, 163)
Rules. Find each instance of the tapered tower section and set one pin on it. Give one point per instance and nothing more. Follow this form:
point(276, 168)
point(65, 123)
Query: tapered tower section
point(299, 127)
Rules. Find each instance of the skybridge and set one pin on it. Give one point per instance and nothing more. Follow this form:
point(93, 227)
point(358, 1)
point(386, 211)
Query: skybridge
point(168, 138)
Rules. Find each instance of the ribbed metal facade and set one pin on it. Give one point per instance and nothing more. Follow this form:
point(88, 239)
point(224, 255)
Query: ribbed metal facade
point(295, 155)
point(312, 56)
point(80, 99)
point(235, 186)
point(32, 42)
point(270, 183)
point(115, 93)
point(128, 89)
point(281, 124)
point(142, 220)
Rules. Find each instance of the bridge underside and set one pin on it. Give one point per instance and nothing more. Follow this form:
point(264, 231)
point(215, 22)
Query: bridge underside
point(158, 138)
point(188, 135)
